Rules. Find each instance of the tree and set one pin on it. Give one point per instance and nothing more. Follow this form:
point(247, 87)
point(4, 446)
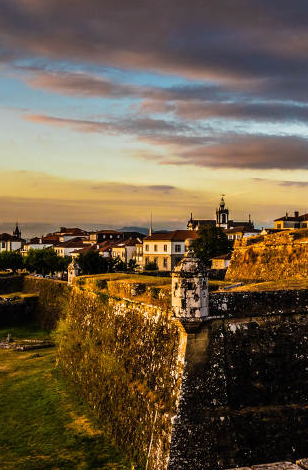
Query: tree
point(92, 262)
point(63, 262)
point(11, 260)
point(151, 266)
point(132, 264)
point(118, 265)
point(42, 261)
point(212, 242)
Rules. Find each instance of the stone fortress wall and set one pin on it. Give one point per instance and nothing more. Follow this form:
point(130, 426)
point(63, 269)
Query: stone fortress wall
point(282, 255)
point(224, 385)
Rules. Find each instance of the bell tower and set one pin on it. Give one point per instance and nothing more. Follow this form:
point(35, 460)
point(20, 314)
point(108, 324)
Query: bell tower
point(17, 232)
point(222, 214)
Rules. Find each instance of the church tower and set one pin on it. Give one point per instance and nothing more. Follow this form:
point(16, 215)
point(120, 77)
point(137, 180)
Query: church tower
point(222, 214)
point(17, 232)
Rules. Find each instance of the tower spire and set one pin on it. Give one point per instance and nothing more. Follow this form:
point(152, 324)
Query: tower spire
point(17, 232)
point(151, 226)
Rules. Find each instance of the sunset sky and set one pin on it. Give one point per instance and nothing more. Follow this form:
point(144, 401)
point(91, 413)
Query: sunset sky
point(112, 108)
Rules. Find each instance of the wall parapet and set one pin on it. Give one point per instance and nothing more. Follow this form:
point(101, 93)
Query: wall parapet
point(258, 303)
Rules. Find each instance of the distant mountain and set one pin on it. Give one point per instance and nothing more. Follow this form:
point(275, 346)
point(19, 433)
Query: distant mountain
point(143, 230)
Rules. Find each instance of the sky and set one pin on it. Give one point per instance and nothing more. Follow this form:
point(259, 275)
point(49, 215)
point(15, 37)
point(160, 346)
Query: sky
point(111, 109)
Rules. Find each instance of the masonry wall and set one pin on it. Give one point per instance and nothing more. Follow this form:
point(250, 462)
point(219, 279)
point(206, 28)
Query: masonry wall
point(10, 283)
point(283, 255)
point(244, 396)
point(17, 312)
point(126, 359)
point(52, 299)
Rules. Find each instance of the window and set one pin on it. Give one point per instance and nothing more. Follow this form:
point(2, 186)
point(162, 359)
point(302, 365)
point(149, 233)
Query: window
point(165, 262)
point(165, 248)
point(146, 247)
point(156, 261)
point(178, 248)
point(155, 247)
point(146, 260)
point(3, 244)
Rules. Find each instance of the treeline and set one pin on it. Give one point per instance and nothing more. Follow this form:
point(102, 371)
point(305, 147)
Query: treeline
point(47, 262)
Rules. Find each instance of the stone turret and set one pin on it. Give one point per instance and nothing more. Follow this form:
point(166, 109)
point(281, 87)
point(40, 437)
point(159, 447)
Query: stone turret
point(72, 272)
point(190, 294)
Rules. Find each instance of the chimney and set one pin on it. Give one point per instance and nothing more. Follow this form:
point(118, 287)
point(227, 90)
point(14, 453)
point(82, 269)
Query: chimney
point(296, 214)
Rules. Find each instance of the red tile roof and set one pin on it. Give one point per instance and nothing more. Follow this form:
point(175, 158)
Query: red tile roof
point(76, 242)
point(226, 257)
point(175, 236)
point(6, 237)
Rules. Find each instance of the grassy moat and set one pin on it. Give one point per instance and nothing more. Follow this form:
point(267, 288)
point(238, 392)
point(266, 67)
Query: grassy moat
point(43, 426)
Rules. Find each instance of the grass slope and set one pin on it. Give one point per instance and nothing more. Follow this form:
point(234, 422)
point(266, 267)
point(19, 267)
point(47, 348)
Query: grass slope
point(42, 426)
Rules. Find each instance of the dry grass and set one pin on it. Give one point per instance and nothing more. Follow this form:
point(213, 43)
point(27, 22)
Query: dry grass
point(284, 284)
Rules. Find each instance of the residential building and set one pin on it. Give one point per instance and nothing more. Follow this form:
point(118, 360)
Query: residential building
point(166, 249)
point(64, 234)
point(85, 249)
point(104, 235)
point(105, 248)
point(39, 243)
point(236, 233)
point(288, 222)
point(10, 242)
point(66, 248)
point(125, 250)
point(221, 261)
point(113, 235)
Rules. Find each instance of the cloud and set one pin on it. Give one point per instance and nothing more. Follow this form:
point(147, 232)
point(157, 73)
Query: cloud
point(78, 84)
point(230, 41)
point(143, 126)
point(196, 110)
point(298, 184)
point(240, 151)
point(247, 152)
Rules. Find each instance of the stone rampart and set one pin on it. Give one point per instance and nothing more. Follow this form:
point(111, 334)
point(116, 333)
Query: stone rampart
point(283, 255)
point(244, 395)
point(10, 283)
point(18, 311)
point(126, 359)
point(52, 299)
point(230, 392)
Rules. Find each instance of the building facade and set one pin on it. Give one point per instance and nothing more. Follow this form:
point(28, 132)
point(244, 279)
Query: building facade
point(288, 222)
point(165, 249)
point(222, 220)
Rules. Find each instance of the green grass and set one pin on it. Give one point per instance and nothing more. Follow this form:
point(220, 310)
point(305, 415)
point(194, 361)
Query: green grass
point(43, 426)
point(32, 331)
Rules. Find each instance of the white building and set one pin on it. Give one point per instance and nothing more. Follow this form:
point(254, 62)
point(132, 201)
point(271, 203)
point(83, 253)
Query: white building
point(166, 249)
point(10, 242)
point(125, 250)
point(66, 248)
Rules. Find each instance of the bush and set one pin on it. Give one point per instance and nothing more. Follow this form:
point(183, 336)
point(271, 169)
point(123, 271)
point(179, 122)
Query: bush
point(151, 266)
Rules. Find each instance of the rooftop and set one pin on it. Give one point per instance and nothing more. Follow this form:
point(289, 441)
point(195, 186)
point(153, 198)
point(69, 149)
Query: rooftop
point(176, 235)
